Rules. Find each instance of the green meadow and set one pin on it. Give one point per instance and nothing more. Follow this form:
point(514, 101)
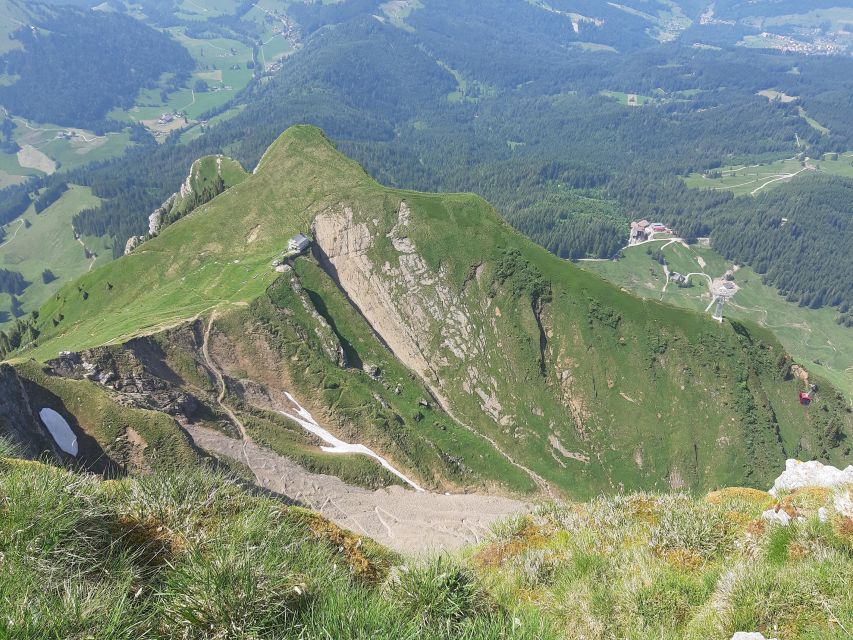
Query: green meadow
point(811, 336)
point(50, 240)
point(753, 179)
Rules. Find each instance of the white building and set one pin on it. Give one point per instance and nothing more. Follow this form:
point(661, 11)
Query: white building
point(298, 243)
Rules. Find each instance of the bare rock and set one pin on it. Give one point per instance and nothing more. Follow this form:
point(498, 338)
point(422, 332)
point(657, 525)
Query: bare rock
point(811, 474)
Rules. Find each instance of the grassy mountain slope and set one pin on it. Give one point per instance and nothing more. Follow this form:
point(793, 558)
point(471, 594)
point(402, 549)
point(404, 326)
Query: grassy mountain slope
point(571, 384)
point(38, 240)
point(810, 335)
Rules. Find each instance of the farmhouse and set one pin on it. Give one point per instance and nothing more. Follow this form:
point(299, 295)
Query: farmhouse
point(639, 231)
point(298, 243)
point(658, 227)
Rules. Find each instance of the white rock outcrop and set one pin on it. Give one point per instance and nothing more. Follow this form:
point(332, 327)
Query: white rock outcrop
point(811, 474)
point(744, 635)
point(779, 516)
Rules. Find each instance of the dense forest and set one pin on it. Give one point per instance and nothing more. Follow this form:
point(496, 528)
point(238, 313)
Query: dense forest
point(796, 236)
point(500, 101)
point(77, 66)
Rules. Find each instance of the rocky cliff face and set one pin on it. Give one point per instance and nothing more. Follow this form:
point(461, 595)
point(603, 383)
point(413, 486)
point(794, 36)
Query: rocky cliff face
point(413, 309)
point(19, 423)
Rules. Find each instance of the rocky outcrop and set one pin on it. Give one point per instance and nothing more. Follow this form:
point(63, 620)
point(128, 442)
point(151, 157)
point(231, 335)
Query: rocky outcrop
point(811, 474)
point(19, 424)
point(155, 220)
point(324, 332)
point(132, 243)
point(126, 375)
point(410, 306)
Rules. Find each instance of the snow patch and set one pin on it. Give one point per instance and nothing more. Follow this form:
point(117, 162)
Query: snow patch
point(307, 422)
point(59, 429)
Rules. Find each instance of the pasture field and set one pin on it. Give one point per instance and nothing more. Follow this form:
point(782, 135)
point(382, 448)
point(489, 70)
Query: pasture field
point(838, 19)
point(66, 151)
point(811, 336)
point(196, 130)
point(753, 179)
point(50, 234)
point(814, 124)
point(205, 9)
point(628, 99)
point(11, 171)
point(222, 63)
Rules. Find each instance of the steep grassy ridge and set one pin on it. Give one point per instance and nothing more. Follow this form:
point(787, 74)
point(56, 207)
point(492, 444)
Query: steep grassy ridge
point(573, 385)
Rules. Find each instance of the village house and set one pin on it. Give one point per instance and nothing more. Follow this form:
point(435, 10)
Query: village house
point(639, 231)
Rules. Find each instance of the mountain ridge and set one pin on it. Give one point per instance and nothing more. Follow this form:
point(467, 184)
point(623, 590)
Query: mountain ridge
point(424, 326)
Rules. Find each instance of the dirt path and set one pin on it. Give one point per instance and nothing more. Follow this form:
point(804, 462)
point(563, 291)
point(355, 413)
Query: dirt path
point(704, 275)
point(782, 177)
point(20, 224)
point(406, 521)
point(245, 440)
point(94, 258)
point(220, 380)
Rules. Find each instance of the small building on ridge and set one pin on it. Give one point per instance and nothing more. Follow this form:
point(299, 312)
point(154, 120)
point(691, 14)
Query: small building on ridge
point(298, 243)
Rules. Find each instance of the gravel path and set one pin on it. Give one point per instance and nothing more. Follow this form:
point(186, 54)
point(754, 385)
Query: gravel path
point(403, 520)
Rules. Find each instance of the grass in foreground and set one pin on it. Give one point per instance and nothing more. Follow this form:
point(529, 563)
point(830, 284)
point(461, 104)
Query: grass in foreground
point(193, 555)
point(673, 566)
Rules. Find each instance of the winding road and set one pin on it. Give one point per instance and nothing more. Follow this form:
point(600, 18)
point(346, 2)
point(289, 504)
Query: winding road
point(20, 224)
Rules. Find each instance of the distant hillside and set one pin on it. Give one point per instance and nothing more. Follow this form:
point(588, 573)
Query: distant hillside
point(425, 327)
point(74, 66)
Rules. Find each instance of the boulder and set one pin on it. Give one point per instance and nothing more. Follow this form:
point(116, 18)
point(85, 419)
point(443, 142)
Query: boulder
point(779, 516)
point(811, 474)
point(744, 635)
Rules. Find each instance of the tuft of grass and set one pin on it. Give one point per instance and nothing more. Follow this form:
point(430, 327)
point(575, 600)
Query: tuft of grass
point(696, 527)
point(439, 593)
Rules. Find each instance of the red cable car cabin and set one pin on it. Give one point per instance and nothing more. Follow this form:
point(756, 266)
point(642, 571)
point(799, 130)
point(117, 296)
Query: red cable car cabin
point(805, 399)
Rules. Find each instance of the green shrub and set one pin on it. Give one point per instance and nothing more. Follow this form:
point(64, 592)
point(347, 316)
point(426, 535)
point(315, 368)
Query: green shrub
point(698, 528)
point(438, 592)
